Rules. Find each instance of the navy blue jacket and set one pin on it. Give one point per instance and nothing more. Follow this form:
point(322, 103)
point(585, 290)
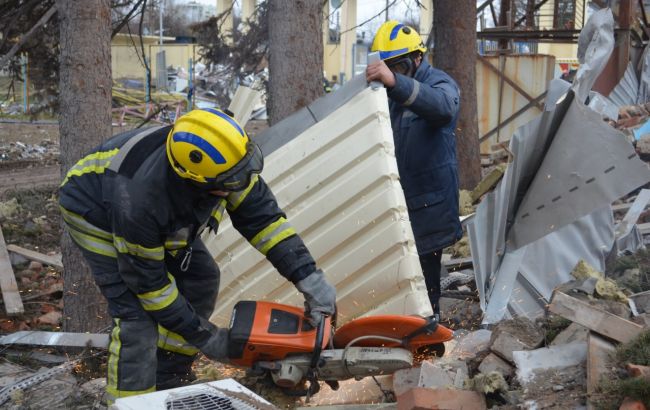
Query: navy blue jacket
point(423, 112)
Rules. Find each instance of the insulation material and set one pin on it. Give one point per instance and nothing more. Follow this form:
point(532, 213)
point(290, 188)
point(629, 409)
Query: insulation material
point(338, 183)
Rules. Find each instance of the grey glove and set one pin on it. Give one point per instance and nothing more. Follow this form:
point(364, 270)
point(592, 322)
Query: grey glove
point(216, 347)
point(320, 297)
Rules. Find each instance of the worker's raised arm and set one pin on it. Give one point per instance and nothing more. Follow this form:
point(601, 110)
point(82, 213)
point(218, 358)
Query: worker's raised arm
point(436, 99)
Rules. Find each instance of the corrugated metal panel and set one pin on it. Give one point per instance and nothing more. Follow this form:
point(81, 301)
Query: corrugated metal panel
point(338, 183)
point(530, 72)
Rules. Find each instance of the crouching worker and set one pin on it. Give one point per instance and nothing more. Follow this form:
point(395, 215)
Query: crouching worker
point(137, 205)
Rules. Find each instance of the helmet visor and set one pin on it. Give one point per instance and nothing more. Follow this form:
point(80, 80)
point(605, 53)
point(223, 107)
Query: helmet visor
point(239, 177)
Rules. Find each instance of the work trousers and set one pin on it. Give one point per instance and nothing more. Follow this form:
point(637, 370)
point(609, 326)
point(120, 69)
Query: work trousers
point(142, 355)
point(431, 265)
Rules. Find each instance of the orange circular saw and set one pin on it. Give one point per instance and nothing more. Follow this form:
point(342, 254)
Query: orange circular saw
point(276, 339)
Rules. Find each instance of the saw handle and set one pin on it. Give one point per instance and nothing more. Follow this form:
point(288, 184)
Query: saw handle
point(430, 327)
point(318, 345)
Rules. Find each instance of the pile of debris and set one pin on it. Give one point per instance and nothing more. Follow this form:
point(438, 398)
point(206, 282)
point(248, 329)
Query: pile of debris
point(45, 152)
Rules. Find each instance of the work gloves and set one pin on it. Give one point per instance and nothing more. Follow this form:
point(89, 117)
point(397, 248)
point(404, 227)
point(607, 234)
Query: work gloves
point(216, 347)
point(320, 297)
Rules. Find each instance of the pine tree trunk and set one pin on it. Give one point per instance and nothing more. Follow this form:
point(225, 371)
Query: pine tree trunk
point(295, 56)
point(454, 23)
point(84, 122)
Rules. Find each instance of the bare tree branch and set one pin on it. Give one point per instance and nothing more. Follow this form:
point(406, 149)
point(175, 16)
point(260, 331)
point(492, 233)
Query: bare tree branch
point(371, 18)
point(27, 35)
point(127, 18)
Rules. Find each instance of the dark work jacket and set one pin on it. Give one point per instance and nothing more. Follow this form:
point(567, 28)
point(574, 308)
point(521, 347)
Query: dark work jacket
point(423, 112)
point(146, 206)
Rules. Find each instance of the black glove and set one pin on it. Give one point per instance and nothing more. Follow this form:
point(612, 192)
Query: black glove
point(320, 297)
point(216, 346)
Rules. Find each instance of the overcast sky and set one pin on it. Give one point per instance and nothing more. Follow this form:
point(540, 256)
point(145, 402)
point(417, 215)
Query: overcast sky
point(402, 9)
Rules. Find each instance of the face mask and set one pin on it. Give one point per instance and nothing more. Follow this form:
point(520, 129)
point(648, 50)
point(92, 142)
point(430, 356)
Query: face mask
point(404, 66)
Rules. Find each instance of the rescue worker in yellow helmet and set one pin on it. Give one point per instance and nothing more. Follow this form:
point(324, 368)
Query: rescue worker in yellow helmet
point(137, 205)
point(424, 106)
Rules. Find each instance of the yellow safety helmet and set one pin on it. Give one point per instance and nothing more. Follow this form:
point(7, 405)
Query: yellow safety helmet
point(394, 39)
point(209, 148)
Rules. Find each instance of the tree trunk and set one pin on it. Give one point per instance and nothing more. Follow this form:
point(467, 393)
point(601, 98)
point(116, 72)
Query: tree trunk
point(295, 56)
point(84, 122)
point(454, 23)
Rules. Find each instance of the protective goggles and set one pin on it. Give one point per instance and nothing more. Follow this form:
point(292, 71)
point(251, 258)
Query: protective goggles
point(402, 65)
point(238, 177)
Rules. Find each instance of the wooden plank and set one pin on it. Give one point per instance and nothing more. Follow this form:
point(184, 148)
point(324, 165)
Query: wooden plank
point(621, 207)
point(595, 319)
point(10, 295)
point(53, 261)
point(488, 182)
point(598, 353)
point(62, 339)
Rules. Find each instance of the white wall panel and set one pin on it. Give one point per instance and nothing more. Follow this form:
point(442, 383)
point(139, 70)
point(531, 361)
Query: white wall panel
point(338, 184)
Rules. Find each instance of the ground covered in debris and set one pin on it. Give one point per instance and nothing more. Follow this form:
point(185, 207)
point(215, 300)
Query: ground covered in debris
point(479, 364)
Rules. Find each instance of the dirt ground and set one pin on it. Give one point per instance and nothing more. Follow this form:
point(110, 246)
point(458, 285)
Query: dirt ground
point(29, 217)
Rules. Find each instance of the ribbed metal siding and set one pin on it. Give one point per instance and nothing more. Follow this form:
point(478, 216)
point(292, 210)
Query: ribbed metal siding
point(338, 184)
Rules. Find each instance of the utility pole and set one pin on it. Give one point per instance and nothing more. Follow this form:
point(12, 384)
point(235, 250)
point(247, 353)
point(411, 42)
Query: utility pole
point(160, 22)
point(386, 10)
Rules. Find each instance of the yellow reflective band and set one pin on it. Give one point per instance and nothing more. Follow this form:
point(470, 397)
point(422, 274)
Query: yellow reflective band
point(219, 210)
point(93, 244)
point(81, 224)
point(272, 235)
point(236, 198)
point(156, 254)
point(96, 162)
point(175, 244)
point(174, 342)
point(161, 298)
point(113, 393)
point(114, 348)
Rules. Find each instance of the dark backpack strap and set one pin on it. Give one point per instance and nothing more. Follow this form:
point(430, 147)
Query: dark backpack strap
point(133, 153)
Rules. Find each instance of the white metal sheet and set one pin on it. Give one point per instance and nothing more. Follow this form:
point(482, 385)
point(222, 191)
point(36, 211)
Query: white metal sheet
point(338, 183)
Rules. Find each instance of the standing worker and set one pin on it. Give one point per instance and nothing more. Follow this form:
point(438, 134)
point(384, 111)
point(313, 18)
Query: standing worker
point(137, 205)
point(424, 106)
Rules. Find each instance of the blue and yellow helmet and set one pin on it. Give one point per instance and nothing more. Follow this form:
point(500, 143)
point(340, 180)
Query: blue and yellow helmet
point(209, 148)
point(394, 39)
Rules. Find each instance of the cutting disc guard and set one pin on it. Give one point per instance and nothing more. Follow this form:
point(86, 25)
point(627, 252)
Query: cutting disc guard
point(394, 327)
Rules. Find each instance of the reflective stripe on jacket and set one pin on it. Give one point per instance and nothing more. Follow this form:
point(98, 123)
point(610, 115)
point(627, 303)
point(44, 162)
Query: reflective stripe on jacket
point(125, 193)
point(424, 111)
